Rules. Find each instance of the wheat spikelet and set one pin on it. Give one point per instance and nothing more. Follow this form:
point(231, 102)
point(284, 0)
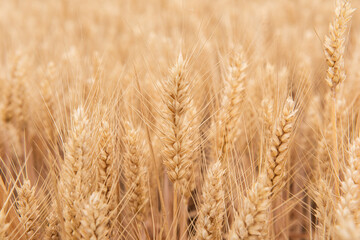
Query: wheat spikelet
point(135, 171)
point(4, 226)
point(252, 220)
point(74, 184)
point(176, 136)
point(28, 210)
point(94, 220)
point(334, 44)
point(231, 104)
point(279, 146)
point(210, 220)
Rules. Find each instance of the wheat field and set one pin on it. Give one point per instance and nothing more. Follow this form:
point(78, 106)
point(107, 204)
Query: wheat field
point(180, 119)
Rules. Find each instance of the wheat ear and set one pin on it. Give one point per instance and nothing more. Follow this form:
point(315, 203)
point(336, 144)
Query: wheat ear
point(252, 221)
point(279, 146)
point(28, 210)
point(135, 171)
point(334, 44)
point(178, 146)
point(230, 110)
point(74, 185)
point(334, 47)
point(210, 220)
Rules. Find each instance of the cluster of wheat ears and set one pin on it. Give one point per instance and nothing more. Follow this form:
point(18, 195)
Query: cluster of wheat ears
point(179, 119)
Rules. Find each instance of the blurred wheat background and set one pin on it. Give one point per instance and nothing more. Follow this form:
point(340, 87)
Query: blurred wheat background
point(179, 119)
